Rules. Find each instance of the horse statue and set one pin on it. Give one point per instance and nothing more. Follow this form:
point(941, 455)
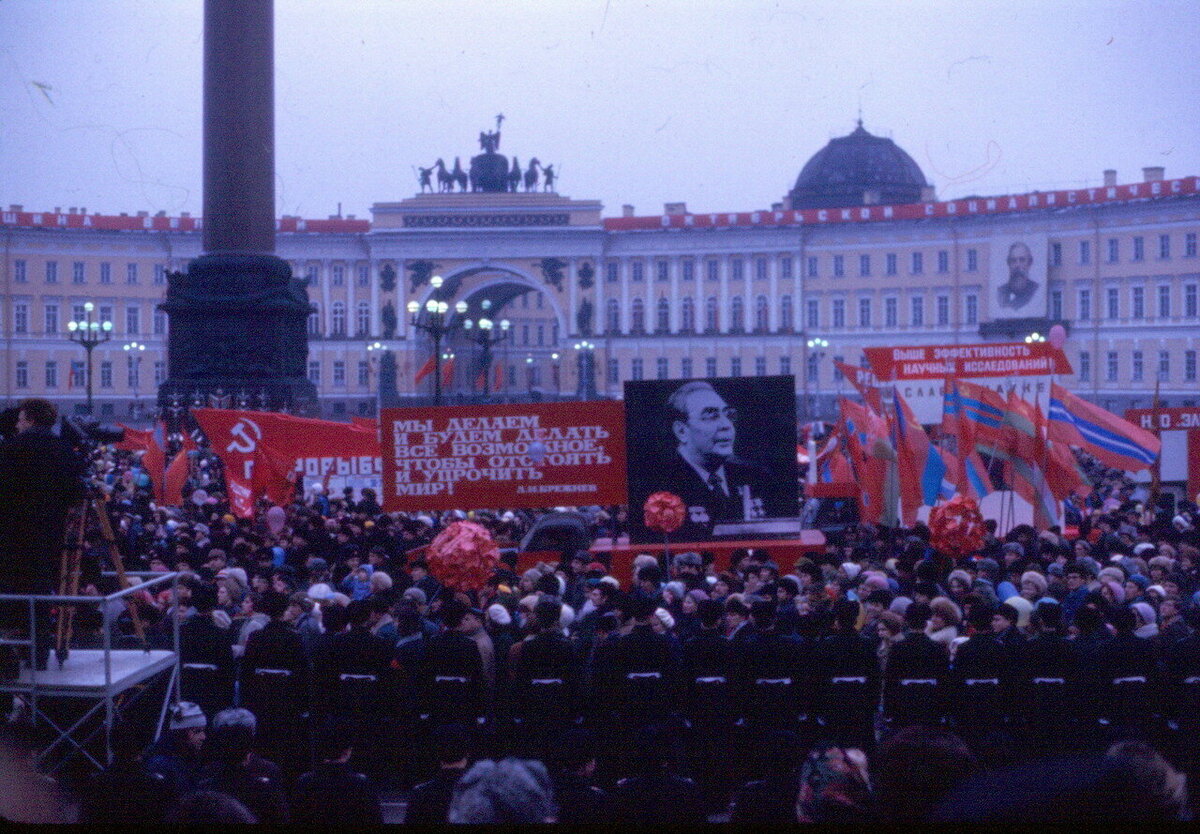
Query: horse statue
point(426, 178)
point(549, 175)
point(458, 175)
point(531, 175)
point(514, 177)
point(445, 178)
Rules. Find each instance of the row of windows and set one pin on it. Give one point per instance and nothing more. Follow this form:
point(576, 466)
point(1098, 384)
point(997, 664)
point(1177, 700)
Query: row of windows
point(1112, 249)
point(1137, 366)
point(337, 275)
point(337, 319)
point(79, 272)
point(76, 373)
point(51, 324)
point(838, 314)
point(362, 377)
point(838, 265)
point(1139, 303)
point(759, 268)
point(687, 368)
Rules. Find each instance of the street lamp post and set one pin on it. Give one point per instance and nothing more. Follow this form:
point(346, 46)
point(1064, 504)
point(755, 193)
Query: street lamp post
point(374, 353)
point(135, 350)
point(585, 360)
point(1034, 337)
point(437, 325)
point(481, 333)
point(816, 347)
point(87, 334)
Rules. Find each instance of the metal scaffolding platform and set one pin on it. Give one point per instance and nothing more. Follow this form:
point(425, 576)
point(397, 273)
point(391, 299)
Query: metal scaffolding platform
point(100, 680)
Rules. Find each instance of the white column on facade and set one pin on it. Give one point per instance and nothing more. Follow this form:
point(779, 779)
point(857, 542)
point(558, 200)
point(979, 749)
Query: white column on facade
point(773, 320)
point(373, 291)
point(673, 267)
point(623, 272)
point(723, 307)
point(326, 300)
point(599, 326)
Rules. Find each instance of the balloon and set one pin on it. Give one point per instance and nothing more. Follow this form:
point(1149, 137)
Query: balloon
point(664, 512)
point(199, 496)
point(276, 518)
point(1057, 337)
point(537, 451)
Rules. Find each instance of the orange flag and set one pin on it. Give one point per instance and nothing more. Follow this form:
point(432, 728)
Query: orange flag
point(426, 369)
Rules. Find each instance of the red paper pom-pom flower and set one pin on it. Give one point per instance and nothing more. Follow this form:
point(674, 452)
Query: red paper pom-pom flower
point(463, 556)
point(664, 512)
point(956, 527)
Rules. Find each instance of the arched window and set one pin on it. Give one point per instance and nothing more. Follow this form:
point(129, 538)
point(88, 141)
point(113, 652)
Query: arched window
point(639, 316)
point(761, 314)
point(786, 322)
point(314, 321)
point(612, 316)
point(337, 319)
point(362, 319)
point(688, 325)
point(662, 316)
point(711, 322)
point(737, 315)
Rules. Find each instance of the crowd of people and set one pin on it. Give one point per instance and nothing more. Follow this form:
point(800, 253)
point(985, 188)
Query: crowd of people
point(877, 680)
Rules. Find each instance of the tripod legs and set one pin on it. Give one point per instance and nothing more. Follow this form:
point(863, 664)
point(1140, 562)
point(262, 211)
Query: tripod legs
point(72, 567)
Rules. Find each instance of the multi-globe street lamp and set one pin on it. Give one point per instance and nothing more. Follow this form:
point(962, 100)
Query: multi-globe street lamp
point(816, 352)
point(585, 360)
point(87, 334)
point(437, 323)
point(374, 355)
point(135, 350)
point(481, 332)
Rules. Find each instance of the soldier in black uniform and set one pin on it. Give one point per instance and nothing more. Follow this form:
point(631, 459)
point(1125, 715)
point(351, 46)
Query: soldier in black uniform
point(451, 663)
point(203, 642)
point(333, 794)
point(275, 683)
point(545, 656)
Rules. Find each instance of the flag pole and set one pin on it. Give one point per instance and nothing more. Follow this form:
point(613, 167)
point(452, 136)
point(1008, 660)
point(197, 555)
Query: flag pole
point(1156, 467)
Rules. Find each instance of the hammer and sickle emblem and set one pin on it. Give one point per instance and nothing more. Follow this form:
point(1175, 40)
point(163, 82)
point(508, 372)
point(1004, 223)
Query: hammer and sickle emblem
point(242, 440)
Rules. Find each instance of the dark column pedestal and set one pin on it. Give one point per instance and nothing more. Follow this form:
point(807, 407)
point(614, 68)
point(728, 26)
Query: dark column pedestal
point(238, 322)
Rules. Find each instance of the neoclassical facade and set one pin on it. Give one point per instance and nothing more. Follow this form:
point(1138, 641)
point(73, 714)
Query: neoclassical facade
point(670, 295)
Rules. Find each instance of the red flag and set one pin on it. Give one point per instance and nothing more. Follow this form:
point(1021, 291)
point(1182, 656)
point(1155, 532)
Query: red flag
point(1114, 441)
point(1026, 458)
point(498, 378)
point(426, 369)
point(153, 459)
point(1063, 474)
point(447, 372)
point(481, 380)
point(274, 477)
point(863, 382)
point(136, 440)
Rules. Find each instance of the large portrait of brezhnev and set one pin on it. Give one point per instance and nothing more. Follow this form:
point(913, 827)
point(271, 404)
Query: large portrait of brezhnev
point(1019, 276)
point(726, 446)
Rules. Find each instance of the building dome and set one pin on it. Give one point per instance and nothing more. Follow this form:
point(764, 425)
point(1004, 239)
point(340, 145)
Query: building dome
point(858, 170)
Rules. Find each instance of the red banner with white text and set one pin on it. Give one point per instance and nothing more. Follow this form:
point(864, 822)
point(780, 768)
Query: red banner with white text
point(476, 457)
point(264, 452)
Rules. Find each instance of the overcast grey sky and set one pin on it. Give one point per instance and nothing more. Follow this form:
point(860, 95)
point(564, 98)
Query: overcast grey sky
point(718, 104)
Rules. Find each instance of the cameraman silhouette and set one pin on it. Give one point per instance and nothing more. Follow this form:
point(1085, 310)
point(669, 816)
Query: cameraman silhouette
point(41, 478)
